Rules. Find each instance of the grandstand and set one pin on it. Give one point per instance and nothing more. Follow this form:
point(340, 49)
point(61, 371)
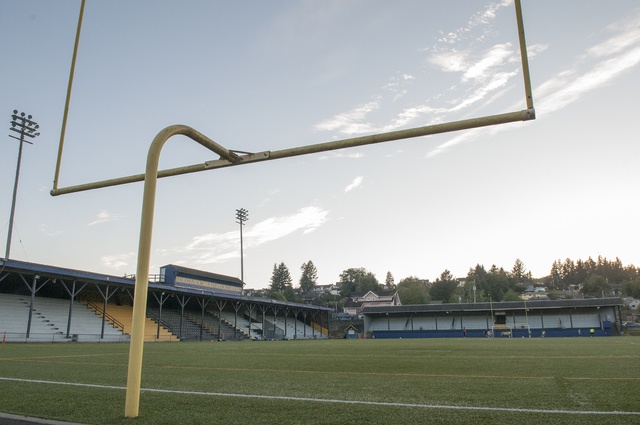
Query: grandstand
point(510, 319)
point(40, 303)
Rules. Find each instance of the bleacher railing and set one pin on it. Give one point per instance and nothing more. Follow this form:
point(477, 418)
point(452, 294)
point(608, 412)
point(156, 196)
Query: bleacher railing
point(100, 311)
point(8, 337)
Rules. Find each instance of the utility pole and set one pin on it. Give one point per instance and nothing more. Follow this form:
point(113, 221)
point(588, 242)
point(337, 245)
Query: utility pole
point(23, 125)
point(242, 215)
point(474, 291)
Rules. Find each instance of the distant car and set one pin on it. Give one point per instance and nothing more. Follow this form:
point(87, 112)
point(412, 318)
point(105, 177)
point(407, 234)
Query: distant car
point(343, 316)
point(631, 325)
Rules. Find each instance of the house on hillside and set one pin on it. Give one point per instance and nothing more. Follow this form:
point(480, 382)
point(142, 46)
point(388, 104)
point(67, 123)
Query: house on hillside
point(331, 289)
point(358, 300)
point(534, 293)
point(318, 291)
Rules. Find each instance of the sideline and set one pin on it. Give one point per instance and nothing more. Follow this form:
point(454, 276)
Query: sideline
point(9, 419)
point(322, 400)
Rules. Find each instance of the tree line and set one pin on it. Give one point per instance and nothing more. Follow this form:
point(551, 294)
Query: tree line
point(351, 280)
point(593, 278)
point(590, 278)
point(596, 277)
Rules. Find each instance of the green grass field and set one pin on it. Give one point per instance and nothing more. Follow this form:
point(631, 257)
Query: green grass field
point(449, 381)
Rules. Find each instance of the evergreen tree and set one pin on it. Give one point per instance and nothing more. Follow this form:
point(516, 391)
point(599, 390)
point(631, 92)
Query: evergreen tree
point(389, 282)
point(580, 272)
point(444, 288)
point(568, 273)
point(309, 277)
point(519, 273)
point(281, 278)
point(478, 276)
point(497, 283)
point(556, 274)
point(616, 274)
point(590, 266)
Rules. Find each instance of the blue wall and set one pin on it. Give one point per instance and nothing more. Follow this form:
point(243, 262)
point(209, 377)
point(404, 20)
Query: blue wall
point(519, 333)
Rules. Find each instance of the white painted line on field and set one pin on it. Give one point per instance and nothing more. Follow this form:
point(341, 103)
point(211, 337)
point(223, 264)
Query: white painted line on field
point(323, 400)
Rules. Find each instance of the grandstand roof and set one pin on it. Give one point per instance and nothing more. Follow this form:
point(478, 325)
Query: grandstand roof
point(61, 272)
point(55, 272)
point(486, 306)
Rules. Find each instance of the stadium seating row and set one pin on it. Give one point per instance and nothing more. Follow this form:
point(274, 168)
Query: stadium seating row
point(51, 321)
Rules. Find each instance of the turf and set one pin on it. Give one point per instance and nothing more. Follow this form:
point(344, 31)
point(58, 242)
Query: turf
point(551, 381)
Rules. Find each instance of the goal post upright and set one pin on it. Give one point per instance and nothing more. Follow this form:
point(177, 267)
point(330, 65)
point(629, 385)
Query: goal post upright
point(134, 371)
point(65, 115)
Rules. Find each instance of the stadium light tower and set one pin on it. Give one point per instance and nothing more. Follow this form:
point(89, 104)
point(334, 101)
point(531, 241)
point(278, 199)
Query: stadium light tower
point(242, 215)
point(25, 127)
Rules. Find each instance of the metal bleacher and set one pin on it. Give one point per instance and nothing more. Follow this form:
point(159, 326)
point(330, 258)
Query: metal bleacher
point(184, 327)
point(241, 325)
point(50, 321)
point(294, 329)
point(123, 313)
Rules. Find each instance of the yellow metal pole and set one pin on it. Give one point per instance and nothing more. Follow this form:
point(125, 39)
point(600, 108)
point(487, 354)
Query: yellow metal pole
point(523, 56)
point(134, 375)
point(66, 103)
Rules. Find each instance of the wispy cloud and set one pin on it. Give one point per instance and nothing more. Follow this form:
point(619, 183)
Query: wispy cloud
point(600, 64)
point(221, 247)
point(399, 85)
point(593, 69)
point(104, 216)
point(464, 137)
point(355, 183)
point(482, 68)
point(117, 261)
point(306, 219)
point(480, 19)
point(351, 122)
point(482, 72)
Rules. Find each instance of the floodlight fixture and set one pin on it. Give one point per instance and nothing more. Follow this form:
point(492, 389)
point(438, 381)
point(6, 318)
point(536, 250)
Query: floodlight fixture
point(242, 215)
point(25, 127)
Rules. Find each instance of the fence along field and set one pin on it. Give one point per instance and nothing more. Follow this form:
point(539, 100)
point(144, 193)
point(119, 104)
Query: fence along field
point(574, 380)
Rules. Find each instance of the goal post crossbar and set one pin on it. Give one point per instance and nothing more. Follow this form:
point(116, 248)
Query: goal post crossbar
point(229, 158)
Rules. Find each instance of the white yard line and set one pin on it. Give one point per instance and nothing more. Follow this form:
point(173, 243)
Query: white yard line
point(323, 400)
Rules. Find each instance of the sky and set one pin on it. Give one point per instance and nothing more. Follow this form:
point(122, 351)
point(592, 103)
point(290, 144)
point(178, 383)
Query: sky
point(263, 76)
